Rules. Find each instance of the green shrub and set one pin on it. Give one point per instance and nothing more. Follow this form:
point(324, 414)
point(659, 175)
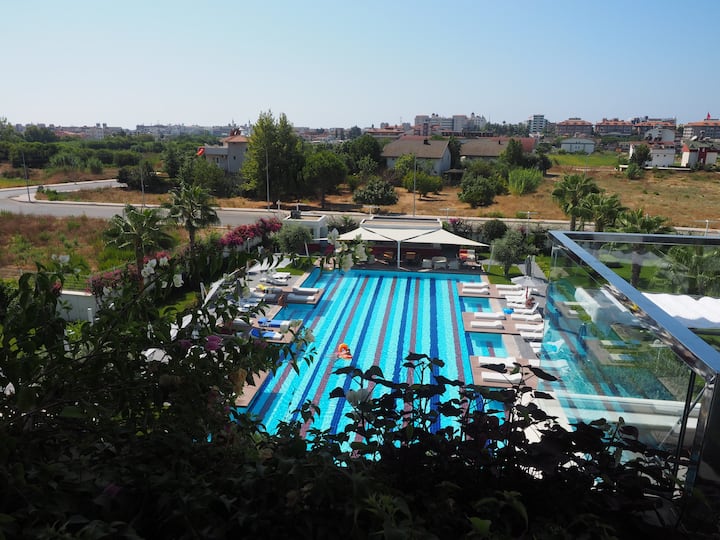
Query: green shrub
point(522, 181)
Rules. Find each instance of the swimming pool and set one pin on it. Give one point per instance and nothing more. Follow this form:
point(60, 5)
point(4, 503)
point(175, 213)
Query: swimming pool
point(382, 316)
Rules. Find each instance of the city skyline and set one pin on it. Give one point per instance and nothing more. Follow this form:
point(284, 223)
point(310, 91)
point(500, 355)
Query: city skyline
point(328, 65)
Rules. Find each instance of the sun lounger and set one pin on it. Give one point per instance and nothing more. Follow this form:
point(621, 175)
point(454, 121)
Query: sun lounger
point(486, 324)
point(528, 311)
point(267, 334)
point(536, 317)
point(492, 376)
point(489, 315)
point(309, 291)
point(528, 327)
point(506, 287)
point(475, 290)
point(505, 360)
point(474, 284)
point(532, 336)
point(295, 298)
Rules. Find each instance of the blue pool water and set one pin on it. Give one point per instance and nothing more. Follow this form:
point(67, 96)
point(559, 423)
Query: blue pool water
point(382, 316)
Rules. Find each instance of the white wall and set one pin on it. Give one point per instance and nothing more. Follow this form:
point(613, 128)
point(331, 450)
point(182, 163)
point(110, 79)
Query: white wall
point(79, 302)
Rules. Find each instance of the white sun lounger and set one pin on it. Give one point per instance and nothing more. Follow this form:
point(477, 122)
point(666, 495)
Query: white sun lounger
point(506, 287)
point(486, 324)
point(300, 298)
point(492, 376)
point(529, 327)
point(489, 315)
point(527, 311)
point(308, 291)
point(536, 317)
point(532, 336)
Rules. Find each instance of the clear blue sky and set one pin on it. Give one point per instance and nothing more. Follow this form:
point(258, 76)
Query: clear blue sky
point(337, 63)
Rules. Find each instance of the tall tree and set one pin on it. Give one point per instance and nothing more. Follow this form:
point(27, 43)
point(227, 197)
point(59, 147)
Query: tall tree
point(190, 206)
point(325, 171)
point(454, 146)
point(274, 159)
point(637, 221)
point(602, 209)
point(570, 191)
point(142, 230)
point(641, 155)
point(513, 154)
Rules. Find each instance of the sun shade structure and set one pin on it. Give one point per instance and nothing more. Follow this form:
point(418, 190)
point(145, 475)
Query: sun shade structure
point(701, 313)
point(399, 230)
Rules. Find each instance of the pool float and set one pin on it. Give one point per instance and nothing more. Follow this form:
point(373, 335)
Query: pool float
point(344, 352)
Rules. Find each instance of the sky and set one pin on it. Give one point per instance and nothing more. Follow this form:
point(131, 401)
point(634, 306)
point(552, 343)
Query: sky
point(343, 63)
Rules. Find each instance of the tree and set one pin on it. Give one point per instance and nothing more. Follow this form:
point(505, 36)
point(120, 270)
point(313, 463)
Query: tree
point(274, 155)
point(376, 192)
point(641, 155)
point(638, 222)
point(454, 146)
point(171, 160)
point(325, 171)
point(492, 230)
point(513, 154)
point(365, 146)
point(509, 250)
point(199, 171)
point(293, 238)
point(634, 171)
point(570, 191)
point(141, 230)
point(602, 209)
point(423, 182)
point(190, 207)
point(477, 190)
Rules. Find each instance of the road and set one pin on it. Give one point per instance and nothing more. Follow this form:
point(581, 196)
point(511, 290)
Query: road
point(21, 200)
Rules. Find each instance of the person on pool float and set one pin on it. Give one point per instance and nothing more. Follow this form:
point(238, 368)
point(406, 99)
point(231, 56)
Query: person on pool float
point(344, 351)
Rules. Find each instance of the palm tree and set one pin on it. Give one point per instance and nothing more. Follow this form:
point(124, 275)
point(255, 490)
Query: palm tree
point(691, 270)
point(139, 229)
point(602, 209)
point(637, 221)
point(568, 193)
point(190, 207)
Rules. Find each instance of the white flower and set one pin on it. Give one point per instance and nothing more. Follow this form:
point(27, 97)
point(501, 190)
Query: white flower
point(178, 280)
point(164, 261)
point(106, 291)
point(163, 284)
point(152, 263)
point(309, 337)
point(332, 237)
point(147, 271)
point(360, 253)
point(9, 389)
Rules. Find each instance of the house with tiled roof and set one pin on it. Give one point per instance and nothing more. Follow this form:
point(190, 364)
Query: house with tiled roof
point(699, 152)
point(230, 155)
point(492, 147)
point(574, 127)
point(708, 128)
point(613, 127)
point(434, 152)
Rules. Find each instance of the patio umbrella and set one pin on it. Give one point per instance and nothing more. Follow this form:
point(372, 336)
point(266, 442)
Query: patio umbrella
point(529, 282)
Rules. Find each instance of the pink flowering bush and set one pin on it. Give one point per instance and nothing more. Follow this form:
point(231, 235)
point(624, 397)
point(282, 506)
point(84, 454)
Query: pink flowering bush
point(239, 235)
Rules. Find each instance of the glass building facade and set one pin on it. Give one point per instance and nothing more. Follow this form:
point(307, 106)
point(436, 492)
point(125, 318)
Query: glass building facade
point(619, 352)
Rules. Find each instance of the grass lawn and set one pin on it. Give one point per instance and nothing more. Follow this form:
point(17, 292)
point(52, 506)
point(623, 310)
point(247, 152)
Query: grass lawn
point(596, 159)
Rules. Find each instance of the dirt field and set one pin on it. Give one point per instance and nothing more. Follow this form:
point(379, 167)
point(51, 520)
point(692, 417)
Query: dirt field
point(688, 199)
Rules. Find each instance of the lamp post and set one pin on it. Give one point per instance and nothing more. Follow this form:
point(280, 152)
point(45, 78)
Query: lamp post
point(414, 181)
point(27, 180)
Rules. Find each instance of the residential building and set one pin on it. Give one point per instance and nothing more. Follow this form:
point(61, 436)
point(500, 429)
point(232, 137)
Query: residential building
point(230, 155)
point(614, 127)
point(708, 128)
point(434, 152)
point(661, 155)
point(385, 133)
point(492, 147)
point(643, 124)
point(699, 153)
point(537, 124)
point(578, 145)
point(574, 127)
point(458, 124)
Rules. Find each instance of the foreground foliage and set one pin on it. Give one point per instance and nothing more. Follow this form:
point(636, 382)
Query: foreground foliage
point(100, 439)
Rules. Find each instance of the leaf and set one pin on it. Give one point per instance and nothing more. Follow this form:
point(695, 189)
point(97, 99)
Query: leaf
point(481, 526)
point(337, 393)
point(414, 357)
point(542, 395)
point(374, 370)
point(72, 411)
point(540, 374)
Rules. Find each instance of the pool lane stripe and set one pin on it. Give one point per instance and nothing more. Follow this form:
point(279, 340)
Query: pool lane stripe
point(377, 355)
point(349, 322)
point(272, 394)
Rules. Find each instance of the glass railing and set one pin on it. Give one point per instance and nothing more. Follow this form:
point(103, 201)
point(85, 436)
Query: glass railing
point(618, 355)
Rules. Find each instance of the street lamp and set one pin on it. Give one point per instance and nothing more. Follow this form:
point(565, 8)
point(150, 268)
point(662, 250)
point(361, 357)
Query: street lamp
point(426, 142)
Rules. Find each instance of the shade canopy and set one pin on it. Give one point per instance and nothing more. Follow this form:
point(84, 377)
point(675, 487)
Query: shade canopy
point(694, 313)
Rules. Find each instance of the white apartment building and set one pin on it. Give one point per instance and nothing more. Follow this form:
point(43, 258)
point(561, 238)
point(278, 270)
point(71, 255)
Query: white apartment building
point(537, 123)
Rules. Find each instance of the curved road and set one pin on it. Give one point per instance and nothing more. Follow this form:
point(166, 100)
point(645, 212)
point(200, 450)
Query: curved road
point(21, 200)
